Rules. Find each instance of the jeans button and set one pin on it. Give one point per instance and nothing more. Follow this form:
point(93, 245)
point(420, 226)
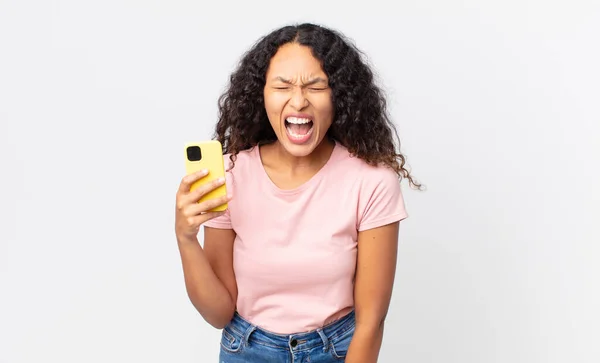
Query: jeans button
point(294, 343)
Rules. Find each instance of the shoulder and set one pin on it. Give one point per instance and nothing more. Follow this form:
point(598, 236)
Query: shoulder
point(379, 194)
point(242, 161)
point(368, 175)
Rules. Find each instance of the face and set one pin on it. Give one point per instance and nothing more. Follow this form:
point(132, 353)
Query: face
point(298, 99)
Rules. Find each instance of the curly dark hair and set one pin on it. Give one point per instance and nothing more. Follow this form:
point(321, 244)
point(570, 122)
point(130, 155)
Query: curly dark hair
point(361, 122)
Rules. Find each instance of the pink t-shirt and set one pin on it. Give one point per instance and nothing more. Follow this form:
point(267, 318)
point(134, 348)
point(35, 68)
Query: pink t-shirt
point(294, 255)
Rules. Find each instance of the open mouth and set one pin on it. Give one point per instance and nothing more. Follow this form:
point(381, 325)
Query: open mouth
point(298, 128)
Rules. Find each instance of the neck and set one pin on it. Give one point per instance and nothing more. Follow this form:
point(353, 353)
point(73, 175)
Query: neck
point(314, 161)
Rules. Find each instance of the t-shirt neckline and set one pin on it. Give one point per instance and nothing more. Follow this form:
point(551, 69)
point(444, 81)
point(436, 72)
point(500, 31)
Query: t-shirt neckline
point(314, 179)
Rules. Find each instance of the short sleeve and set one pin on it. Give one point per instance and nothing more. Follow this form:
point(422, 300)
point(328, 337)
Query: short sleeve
point(381, 200)
point(221, 222)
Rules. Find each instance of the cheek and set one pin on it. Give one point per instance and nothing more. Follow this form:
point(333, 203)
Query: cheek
point(274, 108)
point(274, 103)
point(324, 108)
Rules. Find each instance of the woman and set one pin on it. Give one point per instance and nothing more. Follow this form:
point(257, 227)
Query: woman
point(301, 265)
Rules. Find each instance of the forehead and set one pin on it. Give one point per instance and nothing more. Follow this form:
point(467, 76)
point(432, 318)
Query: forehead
point(292, 60)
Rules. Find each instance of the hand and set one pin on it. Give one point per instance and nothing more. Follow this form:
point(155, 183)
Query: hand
point(190, 214)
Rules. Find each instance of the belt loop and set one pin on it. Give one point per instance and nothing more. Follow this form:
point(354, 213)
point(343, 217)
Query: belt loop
point(324, 339)
point(249, 331)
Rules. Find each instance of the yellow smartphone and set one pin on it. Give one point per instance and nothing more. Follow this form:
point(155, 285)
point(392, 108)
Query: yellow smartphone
point(206, 155)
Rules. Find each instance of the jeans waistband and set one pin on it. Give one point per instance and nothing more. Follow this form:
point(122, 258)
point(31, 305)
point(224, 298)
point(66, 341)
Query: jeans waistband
point(250, 333)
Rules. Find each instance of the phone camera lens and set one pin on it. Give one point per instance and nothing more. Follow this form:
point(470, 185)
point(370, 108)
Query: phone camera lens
point(194, 153)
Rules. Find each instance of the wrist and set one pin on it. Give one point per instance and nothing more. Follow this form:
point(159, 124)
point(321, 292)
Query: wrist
point(187, 240)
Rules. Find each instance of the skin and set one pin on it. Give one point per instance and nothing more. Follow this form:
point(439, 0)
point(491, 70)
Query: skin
point(203, 271)
point(375, 271)
point(295, 83)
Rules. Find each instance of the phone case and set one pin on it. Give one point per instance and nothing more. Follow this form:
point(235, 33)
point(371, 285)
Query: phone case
point(211, 158)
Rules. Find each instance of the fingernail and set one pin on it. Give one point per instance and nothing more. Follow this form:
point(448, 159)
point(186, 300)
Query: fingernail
point(221, 180)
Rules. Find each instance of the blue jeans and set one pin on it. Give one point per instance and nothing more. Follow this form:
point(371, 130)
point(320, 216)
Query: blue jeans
point(242, 342)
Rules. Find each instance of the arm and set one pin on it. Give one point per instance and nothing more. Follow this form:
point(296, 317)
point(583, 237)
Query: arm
point(375, 271)
point(208, 274)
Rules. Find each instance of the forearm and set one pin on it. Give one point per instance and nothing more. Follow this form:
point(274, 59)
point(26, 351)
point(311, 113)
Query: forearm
point(365, 344)
point(206, 292)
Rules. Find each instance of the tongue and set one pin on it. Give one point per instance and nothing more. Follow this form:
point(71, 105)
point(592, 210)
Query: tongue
point(299, 129)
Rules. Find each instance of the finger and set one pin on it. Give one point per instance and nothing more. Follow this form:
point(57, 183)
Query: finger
point(188, 180)
point(196, 221)
point(210, 215)
point(194, 209)
point(205, 206)
point(205, 189)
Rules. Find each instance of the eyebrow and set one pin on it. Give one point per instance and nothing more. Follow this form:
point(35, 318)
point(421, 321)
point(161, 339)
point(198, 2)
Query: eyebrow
point(310, 82)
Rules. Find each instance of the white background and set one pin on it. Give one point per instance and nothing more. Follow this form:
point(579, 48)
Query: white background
point(497, 107)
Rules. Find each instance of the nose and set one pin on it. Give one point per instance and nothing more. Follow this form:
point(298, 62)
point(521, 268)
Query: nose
point(298, 100)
